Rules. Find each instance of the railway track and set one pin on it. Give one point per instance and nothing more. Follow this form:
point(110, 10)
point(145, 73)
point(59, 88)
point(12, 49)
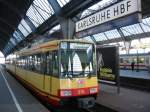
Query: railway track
point(137, 83)
point(98, 108)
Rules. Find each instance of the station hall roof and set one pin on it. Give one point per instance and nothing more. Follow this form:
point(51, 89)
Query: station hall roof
point(22, 19)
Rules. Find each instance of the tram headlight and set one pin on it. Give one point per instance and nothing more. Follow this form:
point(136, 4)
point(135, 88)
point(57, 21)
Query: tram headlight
point(65, 93)
point(93, 90)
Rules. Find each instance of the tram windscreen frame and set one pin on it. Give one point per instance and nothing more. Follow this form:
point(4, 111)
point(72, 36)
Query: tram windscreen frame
point(77, 59)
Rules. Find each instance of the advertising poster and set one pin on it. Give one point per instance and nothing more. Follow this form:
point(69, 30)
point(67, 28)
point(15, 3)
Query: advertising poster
point(108, 63)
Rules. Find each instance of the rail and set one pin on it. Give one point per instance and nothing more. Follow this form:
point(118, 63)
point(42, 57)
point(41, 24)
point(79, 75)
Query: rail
point(98, 108)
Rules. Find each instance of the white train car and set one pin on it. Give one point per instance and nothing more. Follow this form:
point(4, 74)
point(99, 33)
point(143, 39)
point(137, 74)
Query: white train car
point(142, 61)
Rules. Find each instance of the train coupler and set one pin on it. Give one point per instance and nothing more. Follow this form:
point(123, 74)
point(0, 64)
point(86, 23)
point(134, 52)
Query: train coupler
point(86, 102)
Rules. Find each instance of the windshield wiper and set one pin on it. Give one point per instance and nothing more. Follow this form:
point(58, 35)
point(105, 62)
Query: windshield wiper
point(69, 76)
point(88, 74)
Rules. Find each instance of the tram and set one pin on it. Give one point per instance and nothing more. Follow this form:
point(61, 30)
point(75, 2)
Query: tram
point(62, 72)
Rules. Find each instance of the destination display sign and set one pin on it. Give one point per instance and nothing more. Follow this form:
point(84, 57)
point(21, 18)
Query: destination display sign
point(121, 9)
point(65, 45)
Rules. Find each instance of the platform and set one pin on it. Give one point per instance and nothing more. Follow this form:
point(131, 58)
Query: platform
point(134, 74)
point(15, 98)
point(129, 100)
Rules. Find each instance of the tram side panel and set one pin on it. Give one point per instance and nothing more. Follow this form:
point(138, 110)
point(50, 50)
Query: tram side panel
point(35, 79)
point(20, 72)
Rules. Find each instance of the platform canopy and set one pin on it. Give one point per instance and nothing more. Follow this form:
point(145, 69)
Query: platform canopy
point(22, 20)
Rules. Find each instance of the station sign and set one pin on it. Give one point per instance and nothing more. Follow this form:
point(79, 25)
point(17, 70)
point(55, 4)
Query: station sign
point(116, 11)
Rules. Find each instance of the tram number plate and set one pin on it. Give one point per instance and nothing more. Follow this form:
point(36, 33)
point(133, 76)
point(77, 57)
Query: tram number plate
point(81, 92)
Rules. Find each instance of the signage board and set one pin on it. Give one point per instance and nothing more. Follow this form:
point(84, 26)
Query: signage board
point(108, 63)
point(118, 23)
point(121, 9)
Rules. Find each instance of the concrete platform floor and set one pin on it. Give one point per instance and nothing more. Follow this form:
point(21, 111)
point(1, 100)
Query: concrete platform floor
point(134, 74)
point(15, 98)
point(129, 100)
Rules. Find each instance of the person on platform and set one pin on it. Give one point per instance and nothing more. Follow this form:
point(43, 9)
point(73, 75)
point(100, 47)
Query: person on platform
point(132, 65)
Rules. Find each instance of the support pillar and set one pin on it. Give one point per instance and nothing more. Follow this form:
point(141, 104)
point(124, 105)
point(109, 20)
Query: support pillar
point(127, 46)
point(67, 25)
point(68, 28)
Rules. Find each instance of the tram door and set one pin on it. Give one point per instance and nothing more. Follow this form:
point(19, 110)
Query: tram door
point(55, 85)
point(48, 73)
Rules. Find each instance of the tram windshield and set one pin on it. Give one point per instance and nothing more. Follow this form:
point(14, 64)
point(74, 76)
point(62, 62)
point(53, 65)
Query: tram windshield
point(77, 60)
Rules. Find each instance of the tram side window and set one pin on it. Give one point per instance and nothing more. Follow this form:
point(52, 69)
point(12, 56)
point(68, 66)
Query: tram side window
point(23, 62)
point(17, 62)
point(37, 63)
point(43, 63)
point(28, 62)
point(13, 62)
point(31, 63)
point(49, 63)
point(55, 63)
